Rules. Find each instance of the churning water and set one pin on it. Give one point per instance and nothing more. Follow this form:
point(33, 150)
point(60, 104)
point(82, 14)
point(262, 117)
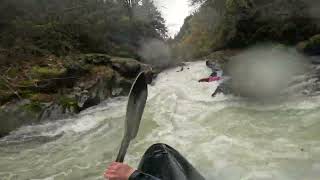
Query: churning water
point(225, 138)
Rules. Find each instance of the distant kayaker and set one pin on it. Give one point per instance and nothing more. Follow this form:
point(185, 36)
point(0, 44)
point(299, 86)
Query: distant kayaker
point(160, 162)
point(211, 78)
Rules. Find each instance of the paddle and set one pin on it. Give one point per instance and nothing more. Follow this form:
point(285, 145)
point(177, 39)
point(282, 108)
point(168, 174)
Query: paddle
point(136, 102)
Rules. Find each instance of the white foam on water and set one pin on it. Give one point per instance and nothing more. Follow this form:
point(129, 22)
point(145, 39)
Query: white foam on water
point(225, 137)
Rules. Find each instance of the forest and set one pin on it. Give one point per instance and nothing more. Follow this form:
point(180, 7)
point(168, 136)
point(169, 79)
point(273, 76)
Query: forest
point(40, 27)
point(231, 24)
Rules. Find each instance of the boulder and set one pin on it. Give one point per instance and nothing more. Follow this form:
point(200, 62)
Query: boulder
point(311, 46)
point(96, 59)
point(64, 107)
point(18, 113)
point(126, 66)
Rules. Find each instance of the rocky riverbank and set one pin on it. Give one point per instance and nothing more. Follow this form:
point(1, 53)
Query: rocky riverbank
point(52, 88)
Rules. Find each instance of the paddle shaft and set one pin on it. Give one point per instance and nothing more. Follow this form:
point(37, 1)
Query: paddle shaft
point(123, 150)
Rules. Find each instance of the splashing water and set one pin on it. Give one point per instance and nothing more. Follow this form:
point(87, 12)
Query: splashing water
point(224, 137)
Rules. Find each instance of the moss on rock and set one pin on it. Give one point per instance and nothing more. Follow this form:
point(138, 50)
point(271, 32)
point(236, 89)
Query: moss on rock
point(27, 83)
point(3, 85)
point(13, 72)
point(104, 71)
point(311, 46)
point(33, 107)
point(68, 103)
point(48, 72)
point(6, 96)
point(39, 97)
point(233, 6)
point(97, 59)
point(126, 66)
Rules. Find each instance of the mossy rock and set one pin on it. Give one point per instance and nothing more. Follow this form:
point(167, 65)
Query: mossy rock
point(69, 103)
point(13, 72)
point(27, 83)
point(3, 85)
point(24, 114)
point(39, 97)
point(33, 107)
point(9, 122)
point(96, 59)
point(27, 94)
point(5, 96)
point(126, 66)
point(48, 72)
point(233, 6)
point(75, 67)
point(105, 71)
point(311, 47)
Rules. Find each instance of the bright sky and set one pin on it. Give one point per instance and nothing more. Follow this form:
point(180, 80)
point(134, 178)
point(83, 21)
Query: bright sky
point(174, 12)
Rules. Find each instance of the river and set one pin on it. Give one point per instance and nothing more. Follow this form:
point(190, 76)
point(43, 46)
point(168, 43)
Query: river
point(226, 137)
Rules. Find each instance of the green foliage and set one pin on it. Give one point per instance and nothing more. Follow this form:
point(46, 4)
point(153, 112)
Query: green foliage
point(33, 107)
point(314, 41)
point(310, 46)
point(48, 72)
point(224, 24)
point(40, 27)
point(5, 96)
point(97, 59)
point(68, 103)
point(195, 37)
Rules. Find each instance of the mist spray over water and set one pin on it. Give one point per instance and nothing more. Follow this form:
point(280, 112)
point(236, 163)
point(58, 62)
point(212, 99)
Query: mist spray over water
point(264, 71)
point(155, 52)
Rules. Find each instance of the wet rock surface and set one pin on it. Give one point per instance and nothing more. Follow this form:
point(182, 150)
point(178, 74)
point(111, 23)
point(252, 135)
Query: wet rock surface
point(58, 92)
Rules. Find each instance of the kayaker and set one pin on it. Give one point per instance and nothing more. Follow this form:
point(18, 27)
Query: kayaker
point(211, 78)
point(160, 162)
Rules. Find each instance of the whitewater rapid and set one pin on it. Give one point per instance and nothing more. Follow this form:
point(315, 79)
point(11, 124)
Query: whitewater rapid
point(225, 137)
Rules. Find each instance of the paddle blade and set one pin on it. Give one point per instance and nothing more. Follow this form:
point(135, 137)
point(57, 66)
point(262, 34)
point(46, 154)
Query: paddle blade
point(135, 107)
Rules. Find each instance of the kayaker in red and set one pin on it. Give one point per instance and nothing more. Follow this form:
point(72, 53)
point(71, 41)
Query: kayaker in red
point(211, 78)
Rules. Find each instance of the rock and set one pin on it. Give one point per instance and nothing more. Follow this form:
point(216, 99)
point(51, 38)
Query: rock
point(150, 76)
point(58, 90)
point(117, 92)
point(5, 96)
point(53, 112)
point(95, 88)
point(96, 59)
point(221, 59)
point(16, 114)
point(311, 46)
point(41, 97)
point(126, 66)
point(62, 108)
